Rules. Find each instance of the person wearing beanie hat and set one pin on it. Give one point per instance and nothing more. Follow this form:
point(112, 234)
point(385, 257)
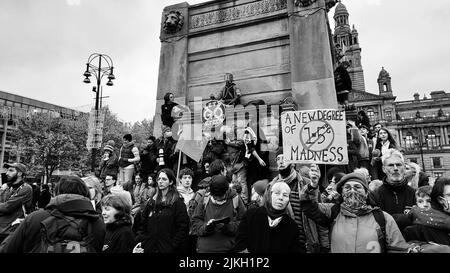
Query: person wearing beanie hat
point(269, 229)
point(109, 162)
point(355, 226)
point(313, 238)
point(119, 237)
point(258, 189)
point(217, 217)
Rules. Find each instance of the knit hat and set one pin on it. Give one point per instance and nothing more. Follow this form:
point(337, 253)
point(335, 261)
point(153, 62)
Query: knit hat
point(111, 142)
point(260, 186)
point(108, 148)
point(354, 177)
point(204, 183)
point(219, 185)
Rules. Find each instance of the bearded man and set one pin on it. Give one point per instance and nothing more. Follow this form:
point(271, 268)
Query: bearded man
point(15, 197)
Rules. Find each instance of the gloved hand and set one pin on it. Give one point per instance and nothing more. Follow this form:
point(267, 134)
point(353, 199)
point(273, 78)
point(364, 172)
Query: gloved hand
point(210, 226)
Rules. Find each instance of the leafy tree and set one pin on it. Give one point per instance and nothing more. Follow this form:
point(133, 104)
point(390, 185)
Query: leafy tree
point(46, 143)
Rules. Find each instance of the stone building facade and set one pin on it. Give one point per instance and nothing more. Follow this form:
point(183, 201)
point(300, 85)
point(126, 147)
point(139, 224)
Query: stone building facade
point(420, 126)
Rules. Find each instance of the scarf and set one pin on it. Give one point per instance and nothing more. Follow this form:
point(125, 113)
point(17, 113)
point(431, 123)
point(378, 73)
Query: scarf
point(271, 212)
point(355, 203)
point(292, 175)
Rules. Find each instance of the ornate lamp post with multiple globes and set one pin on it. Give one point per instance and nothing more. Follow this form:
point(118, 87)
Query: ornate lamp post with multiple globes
point(99, 72)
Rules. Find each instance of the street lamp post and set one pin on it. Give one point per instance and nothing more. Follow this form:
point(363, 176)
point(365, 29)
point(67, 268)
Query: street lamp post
point(99, 72)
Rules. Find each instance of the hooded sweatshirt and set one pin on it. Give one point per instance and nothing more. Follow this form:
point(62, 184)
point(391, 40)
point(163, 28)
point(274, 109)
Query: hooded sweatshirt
point(187, 194)
point(28, 234)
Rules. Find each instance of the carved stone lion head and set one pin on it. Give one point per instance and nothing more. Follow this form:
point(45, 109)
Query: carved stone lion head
point(173, 22)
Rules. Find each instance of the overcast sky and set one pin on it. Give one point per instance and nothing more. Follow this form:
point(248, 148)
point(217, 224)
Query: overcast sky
point(44, 45)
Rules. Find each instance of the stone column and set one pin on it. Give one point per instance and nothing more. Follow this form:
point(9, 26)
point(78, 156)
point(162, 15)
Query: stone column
point(446, 135)
point(173, 62)
point(442, 141)
point(312, 74)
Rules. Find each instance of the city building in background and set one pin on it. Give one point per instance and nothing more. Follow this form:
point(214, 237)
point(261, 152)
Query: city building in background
point(420, 126)
point(14, 107)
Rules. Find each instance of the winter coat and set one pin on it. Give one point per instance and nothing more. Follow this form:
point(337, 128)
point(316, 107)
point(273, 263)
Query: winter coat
point(394, 200)
point(28, 235)
point(163, 228)
point(350, 233)
point(166, 113)
point(255, 235)
point(13, 200)
point(109, 167)
point(148, 159)
point(217, 240)
point(313, 238)
point(119, 238)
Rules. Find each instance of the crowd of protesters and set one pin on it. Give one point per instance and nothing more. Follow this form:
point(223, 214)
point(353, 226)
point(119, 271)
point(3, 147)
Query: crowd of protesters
point(141, 201)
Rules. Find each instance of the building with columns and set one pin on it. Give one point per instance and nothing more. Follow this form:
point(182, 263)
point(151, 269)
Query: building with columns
point(421, 126)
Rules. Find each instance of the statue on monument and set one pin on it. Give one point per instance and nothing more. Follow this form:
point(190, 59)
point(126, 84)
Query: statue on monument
point(230, 93)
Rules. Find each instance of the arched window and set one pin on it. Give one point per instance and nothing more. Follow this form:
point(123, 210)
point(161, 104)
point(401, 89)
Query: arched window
point(385, 87)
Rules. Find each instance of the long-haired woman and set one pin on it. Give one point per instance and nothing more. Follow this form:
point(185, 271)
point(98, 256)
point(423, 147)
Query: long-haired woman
point(163, 224)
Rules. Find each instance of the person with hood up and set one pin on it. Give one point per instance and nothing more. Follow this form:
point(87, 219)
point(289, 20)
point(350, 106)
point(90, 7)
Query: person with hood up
point(269, 229)
point(217, 218)
point(166, 109)
point(72, 199)
point(116, 214)
point(312, 238)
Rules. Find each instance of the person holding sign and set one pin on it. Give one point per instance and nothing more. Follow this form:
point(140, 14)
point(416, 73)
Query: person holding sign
point(313, 238)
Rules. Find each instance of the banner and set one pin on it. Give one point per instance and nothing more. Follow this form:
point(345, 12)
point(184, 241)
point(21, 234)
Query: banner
point(95, 129)
point(315, 136)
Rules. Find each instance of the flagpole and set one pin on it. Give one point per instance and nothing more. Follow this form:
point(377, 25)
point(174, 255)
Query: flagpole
point(178, 168)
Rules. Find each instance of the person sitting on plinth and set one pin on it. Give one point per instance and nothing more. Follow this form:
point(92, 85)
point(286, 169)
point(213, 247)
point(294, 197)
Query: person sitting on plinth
point(230, 93)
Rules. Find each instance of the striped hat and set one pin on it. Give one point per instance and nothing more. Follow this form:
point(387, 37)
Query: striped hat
point(108, 148)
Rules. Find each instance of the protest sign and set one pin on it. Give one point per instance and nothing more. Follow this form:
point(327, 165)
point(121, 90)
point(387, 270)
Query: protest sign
point(315, 136)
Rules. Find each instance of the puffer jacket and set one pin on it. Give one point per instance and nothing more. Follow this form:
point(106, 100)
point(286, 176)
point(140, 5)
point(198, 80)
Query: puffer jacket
point(351, 233)
point(217, 240)
point(28, 235)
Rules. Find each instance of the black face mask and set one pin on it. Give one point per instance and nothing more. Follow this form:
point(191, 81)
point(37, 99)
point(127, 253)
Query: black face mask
point(10, 181)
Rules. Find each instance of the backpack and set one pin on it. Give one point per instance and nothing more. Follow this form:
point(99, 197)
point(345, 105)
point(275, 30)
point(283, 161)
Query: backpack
point(379, 218)
point(235, 202)
point(65, 234)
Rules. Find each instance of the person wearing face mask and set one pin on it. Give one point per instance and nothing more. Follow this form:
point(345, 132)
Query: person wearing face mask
point(354, 225)
point(166, 143)
point(394, 196)
point(269, 229)
point(312, 238)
